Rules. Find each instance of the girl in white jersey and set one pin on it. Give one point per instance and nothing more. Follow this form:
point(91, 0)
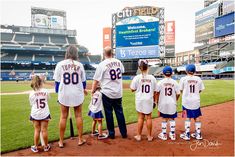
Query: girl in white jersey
point(95, 112)
point(145, 87)
point(40, 114)
point(167, 95)
point(191, 86)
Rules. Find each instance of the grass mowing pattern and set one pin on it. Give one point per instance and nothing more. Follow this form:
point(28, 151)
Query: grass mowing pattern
point(17, 130)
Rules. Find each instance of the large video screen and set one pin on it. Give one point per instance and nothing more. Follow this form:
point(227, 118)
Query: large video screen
point(140, 34)
point(139, 40)
point(224, 25)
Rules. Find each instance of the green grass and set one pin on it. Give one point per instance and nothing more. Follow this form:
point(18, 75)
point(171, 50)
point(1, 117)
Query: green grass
point(17, 130)
point(11, 86)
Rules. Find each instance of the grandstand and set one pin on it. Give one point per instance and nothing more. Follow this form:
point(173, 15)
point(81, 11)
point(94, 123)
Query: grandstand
point(25, 51)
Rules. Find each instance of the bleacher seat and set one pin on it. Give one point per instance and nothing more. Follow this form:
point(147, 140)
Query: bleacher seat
point(23, 38)
point(59, 40)
point(44, 58)
point(59, 58)
point(83, 59)
point(95, 58)
point(72, 40)
point(8, 57)
point(23, 57)
point(6, 36)
point(49, 48)
point(41, 39)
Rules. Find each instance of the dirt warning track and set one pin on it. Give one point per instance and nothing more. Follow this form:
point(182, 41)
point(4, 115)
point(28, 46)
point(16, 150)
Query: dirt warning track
point(217, 129)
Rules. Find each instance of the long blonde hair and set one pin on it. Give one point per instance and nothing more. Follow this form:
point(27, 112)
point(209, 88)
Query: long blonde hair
point(36, 83)
point(71, 53)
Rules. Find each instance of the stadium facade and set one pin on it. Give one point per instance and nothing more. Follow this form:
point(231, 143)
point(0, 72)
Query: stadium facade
point(38, 48)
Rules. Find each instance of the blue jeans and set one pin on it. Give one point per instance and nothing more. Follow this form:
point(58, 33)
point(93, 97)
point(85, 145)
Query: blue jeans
point(116, 105)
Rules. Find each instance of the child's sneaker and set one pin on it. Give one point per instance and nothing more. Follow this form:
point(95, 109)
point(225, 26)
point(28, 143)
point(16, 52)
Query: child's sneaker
point(34, 149)
point(137, 138)
point(96, 133)
point(162, 136)
point(185, 136)
point(103, 136)
point(196, 136)
point(172, 136)
point(47, 148)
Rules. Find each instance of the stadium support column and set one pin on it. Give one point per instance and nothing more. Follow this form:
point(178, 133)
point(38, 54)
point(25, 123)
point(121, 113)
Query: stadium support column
point(161, 33)
point(113, 32)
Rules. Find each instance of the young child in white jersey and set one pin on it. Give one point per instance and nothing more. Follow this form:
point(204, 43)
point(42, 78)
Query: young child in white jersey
point(191, 86)
point(95, 112)
point(145, 87)
point(168, 93)
point(40, 114)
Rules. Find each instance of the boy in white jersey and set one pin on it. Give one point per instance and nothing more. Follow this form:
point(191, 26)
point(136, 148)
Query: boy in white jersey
point(70, 84)
point(168, 93)
point(145, 87)
point(95, 112)
point(191, 86)
point(40, 114)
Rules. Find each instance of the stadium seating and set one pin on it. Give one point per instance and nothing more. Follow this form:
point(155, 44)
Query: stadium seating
point(44, 58)
point(24, 57)
point(8, 57)
point(6, 36)
point(72, 40)
point(83, 59)
point(49, 48)
point(23, 38)
point(95, 58)
point(41, 39)
point(58, 40)
point(58, 58)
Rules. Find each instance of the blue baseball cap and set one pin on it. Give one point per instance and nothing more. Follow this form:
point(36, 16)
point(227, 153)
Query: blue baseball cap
point(167, 70)
point(191, 68)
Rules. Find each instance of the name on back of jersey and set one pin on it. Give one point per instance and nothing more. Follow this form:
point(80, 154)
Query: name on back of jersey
point(113, 64)
point(68, 67)
point(40, 94)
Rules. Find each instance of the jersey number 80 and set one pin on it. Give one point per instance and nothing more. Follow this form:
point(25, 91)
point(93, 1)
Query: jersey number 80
point(68, 78)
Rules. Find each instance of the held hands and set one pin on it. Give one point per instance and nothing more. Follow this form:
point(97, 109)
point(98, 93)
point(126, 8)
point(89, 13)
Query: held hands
point(85, 92)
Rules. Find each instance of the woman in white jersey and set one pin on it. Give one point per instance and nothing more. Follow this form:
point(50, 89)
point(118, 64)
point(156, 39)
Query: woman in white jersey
point(40, 114)
point(145, 87)
point(168, 93)
point(70, 84)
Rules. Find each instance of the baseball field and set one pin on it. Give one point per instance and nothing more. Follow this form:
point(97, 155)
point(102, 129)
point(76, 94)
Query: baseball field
point(17, 130)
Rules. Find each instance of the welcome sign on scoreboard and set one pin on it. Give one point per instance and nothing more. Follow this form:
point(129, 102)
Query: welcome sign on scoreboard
point(140, 34)
point(140, 40)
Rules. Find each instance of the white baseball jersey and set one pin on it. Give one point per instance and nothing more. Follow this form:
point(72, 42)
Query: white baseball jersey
point(70, 74)
point(191, 85)
point(96, 102)
point(39, 104)
point(168, 89)
point(145, 85)
point(109, 74)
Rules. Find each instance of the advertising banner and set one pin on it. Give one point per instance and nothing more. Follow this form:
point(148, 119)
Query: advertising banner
point(137, 52)
point(41, 21)
point(141, 34)
point(57, 22)
point(224, 25)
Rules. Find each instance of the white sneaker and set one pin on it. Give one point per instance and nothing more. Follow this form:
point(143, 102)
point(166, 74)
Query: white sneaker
point(137, 137)
point(103, 136)
point(162, 136)
point(172, 136)
point(47, 148)
point(197, 136)
point(185, 136)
